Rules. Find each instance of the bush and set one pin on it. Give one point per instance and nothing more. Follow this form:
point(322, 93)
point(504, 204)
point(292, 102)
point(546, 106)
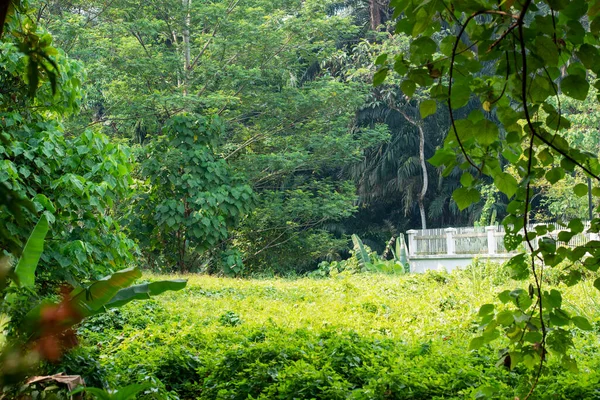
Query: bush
point(357, 337)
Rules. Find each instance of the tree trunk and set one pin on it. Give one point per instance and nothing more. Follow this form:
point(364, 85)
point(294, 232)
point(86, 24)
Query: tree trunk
point(425, 177)
point(186, 44)
point(375, 11)
point(418, 123)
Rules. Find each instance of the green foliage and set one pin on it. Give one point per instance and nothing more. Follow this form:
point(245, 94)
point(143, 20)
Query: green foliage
point(193, 196)
point(74, 180)
point(530, 57)
point(345, 337)
point(129, 392)
point(364, 260)
point(27, 264)
point(288, 120)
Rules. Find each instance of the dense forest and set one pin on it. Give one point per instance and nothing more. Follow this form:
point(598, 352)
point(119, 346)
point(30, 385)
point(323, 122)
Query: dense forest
point(242, 137)
point(295, 139)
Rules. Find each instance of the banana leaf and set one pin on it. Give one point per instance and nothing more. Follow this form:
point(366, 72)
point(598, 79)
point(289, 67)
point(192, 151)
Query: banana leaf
point(143, 292)
point(402, 253)
point(89, 301)
point(25, 269)
point(360, 251)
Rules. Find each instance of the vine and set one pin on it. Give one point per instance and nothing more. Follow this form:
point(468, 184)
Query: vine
point(511, 57)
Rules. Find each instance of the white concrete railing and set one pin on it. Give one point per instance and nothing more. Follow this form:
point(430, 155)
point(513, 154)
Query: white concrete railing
point(485, 241)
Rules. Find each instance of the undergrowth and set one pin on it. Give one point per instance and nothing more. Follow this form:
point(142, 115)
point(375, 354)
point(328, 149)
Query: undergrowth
point(350, 337)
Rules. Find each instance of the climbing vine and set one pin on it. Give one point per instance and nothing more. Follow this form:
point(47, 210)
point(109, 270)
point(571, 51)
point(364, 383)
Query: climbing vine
point(518, 61)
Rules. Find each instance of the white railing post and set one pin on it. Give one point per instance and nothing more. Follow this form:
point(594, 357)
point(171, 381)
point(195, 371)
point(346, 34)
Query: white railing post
point(412, 242)
point(491, 239)
point(450, 245)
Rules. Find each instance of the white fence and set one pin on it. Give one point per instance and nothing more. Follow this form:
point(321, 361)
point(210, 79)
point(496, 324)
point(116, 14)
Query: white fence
point(479, 240)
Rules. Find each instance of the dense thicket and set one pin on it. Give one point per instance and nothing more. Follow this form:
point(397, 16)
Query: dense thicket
point(313, 151)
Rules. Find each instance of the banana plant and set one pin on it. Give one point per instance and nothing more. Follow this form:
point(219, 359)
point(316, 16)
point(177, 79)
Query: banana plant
point(400, 255)
point(111, 291)
point(375, 264)
point(361, 253)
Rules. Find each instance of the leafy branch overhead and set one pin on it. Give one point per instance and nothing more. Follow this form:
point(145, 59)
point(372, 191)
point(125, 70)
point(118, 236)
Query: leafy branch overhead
point(518, 62)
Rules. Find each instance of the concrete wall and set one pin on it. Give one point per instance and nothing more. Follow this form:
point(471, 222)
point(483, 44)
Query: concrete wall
point(422, 263)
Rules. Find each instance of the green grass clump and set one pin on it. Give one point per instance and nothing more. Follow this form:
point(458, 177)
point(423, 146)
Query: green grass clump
point(352, 337)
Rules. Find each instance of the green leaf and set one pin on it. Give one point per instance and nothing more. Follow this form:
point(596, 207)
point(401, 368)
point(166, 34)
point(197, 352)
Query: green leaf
point(582, 323)
point(99, 394)
point(379, 76)
point(533, 337)
point(427, 108)
point(381, 59)
point(576, 226)
point(408, 87)
point(555, 174)
point(464, 197)
point(580, 190)
point(360, 251)
point(466, 179)
point(486, 132)
point(476, 343)
point(486, 309)
point(461, 93)
point(559, 317)
point(589, 56)
point(25, 269)
point(575, 86)
point(506, 183)
point(143, 292)
point(442, 156)
point(87, 301)
point(546, 49)
point(505, 318)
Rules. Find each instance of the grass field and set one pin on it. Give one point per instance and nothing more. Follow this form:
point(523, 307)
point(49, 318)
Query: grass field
point(357, 337)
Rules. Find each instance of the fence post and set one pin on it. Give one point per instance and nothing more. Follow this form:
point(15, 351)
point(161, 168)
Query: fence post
point(412, 242)
point(450, 245)
point(491, 239)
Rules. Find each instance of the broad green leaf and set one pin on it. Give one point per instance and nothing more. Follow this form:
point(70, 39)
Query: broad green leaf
point(521, 299)
point(99, 394)
point(505, 318)
point(461, 93)
point(87, 301)
point(555, 174)
point(360, 251)
point(575, 86)
point(25, 269)
point(486, 309)
point(589, 56)
point(559, 317)
point(379, 76)
point(464, 197)
point(427, 108)
point(466, 179)
point(582, 323)
point(546, 49)
point(408, 87)
point(476, 343)
point(533, 337)
point(442, 157)
point(486, 132)
point(576, 226)
point(506, 183)
point(381, 59)
point(580, 190)
point(143, 292)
